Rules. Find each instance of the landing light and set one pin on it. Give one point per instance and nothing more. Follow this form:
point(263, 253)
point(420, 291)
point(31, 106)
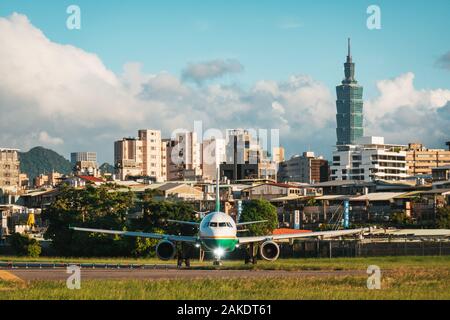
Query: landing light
point(219, 252)
point(197, 245)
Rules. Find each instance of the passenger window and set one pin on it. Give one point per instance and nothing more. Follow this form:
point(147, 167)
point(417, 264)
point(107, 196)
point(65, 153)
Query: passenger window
point(222, 224)
point(213, 224)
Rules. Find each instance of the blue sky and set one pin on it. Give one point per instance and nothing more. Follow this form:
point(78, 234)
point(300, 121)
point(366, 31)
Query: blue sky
point(280, 60)
point(272, 39)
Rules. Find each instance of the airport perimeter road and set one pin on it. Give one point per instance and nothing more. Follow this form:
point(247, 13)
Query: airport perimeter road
point(90, 274)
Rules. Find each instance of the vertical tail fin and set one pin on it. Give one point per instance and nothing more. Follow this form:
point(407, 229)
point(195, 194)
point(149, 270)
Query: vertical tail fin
point(217, 189)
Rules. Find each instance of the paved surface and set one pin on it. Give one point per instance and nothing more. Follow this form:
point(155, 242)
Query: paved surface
point(60, 274)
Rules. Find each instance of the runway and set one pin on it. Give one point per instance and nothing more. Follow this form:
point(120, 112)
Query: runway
point(157, 274)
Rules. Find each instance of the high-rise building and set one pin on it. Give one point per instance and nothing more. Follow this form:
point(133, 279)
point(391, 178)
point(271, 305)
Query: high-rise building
point(305, 169)
point(128, 160)
point(369, 159)
point(245, 158)
point(213, 154)
point(154, 154)
point(349, 105)
point(9, 168)
point(82, 156)
point(144, 156)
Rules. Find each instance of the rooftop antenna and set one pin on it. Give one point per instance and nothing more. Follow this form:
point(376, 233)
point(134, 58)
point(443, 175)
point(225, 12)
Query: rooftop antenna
point(349, 48)
point(349, 55)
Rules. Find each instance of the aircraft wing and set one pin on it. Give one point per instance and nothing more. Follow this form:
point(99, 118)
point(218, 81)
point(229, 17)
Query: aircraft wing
point(169, 237)
point(190, 223)
point(319, 234)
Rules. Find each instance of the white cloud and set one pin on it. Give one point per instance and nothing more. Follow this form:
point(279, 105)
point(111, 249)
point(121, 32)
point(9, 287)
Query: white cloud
point(405, 114)
point(47, 140)
point(203, 71)
point(74, 102)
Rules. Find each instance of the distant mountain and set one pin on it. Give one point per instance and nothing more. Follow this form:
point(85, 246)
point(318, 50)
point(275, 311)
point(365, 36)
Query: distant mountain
point(106, 168)
point(40, 160)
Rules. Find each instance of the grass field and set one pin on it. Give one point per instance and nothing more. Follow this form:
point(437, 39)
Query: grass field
point(281, 264)
point(403, 278)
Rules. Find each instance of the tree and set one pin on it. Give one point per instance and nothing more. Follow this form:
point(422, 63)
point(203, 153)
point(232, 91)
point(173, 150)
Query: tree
point(103, 207)
point(106, 207)
point(23, 245)
point(257, 210)
point(156, 213)
point(443, 218)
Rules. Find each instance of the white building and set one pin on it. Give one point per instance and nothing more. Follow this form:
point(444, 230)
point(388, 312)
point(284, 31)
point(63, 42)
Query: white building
point(368, 160)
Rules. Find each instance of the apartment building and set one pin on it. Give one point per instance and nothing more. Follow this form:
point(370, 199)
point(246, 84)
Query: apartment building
point(9, 168)
point(128, 158)
point(369, 159)
point(144, 156)
point(306, 168)
point(421, 161)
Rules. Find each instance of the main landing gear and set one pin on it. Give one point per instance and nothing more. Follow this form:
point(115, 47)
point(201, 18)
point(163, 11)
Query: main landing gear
point(217, 263)
point(251, 255)
point(184, 255)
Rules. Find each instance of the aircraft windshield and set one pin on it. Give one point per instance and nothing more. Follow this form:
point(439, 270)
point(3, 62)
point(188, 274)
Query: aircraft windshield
point(220, 225)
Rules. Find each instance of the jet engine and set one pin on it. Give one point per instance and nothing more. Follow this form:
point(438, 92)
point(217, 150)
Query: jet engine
point(269, 251)
point(165, 250)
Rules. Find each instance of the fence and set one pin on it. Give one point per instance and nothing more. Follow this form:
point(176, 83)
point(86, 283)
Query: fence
point(330, 249)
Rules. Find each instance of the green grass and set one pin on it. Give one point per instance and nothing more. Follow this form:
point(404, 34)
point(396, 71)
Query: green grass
point(281, 264)
point(402, 278)
point(416, 284)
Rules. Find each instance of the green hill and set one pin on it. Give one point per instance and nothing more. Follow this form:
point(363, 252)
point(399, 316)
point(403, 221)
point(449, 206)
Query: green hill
point(40, 160)
point(106, 168)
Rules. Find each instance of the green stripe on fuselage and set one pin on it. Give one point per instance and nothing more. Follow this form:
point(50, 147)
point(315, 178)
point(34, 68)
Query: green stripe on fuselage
point(227, 244)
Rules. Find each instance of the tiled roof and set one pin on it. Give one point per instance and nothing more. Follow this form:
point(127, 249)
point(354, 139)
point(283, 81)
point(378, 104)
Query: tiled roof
point(91, 179)
point(289, 231)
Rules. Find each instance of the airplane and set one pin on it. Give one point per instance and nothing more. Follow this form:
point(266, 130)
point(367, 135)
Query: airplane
point(218, 233)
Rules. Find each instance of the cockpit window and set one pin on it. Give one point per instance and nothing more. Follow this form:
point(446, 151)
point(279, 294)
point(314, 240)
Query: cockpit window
point(229, 225)
point(222, 224)
point(213, 224)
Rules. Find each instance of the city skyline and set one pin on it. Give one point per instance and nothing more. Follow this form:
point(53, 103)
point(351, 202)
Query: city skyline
point(78, 96)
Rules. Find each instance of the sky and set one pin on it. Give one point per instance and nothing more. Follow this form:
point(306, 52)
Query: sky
point(250, 64)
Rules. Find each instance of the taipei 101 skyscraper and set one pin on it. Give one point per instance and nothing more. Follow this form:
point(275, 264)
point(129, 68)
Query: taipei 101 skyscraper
point(349, 105)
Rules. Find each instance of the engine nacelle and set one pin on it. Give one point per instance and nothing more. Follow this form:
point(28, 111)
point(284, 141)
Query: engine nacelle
point(269, 251)
point(165, 250)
